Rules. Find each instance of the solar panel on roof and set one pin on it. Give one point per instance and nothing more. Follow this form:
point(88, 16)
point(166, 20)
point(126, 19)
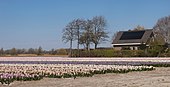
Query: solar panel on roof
point(132, 35)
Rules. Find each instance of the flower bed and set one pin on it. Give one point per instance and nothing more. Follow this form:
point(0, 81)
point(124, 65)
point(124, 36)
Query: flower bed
point(28, 72)
point(157, 64)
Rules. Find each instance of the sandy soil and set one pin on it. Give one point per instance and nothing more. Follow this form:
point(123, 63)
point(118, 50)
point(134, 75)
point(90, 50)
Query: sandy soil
point(157, 78)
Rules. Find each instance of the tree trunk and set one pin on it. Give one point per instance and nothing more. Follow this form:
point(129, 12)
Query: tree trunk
point(71, 42)
point(95, 46)
point(78, 38)
point(88, 49)
point(87, 46)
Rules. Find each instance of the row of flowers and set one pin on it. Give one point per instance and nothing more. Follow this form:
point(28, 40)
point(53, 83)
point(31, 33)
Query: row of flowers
point(157, 64)
point(28, 72)
point(104, 59)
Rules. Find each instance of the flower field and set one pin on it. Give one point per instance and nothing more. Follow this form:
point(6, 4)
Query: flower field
point(156, 61)
point(28, 72)
point(36, 68)
point(129, 59)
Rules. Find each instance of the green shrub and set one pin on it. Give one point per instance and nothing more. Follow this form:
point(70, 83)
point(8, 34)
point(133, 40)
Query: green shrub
point(152, 52)
point(62, 52)
point(109, 53)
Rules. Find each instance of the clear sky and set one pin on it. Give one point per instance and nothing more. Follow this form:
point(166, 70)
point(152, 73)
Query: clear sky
point(34, 23)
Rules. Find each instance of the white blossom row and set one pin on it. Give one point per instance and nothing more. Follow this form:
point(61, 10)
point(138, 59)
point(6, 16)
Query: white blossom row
point(26, 72)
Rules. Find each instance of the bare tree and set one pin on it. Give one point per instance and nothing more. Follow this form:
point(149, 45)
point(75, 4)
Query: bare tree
point(69, 35)
point(13, 51)
point(138, 28)
point(99, 27)
point(72, 32)
point(31, 51)
point(79, 25)
point(40, 51)
point(162, 28)
point(87, 34)
point(1, 52)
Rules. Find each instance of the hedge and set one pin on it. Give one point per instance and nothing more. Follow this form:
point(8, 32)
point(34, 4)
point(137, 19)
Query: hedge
point(109, 53)
point(121, 53)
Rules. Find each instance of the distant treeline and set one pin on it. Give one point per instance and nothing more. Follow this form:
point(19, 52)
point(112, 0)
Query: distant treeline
point(37, 51)
point(156, 51)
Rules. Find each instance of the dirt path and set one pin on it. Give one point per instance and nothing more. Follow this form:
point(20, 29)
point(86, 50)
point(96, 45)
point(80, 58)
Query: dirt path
point(157, 78)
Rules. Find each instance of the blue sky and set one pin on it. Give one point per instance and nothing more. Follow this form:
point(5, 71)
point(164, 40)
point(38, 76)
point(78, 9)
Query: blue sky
point(34, 23)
